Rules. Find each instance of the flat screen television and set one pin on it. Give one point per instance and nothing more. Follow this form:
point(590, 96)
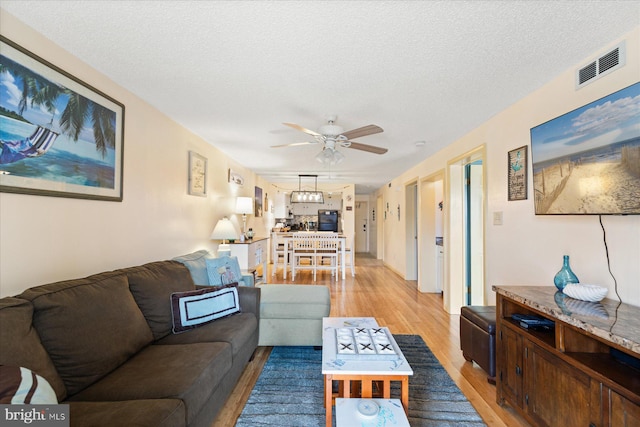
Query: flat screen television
point(587, 161)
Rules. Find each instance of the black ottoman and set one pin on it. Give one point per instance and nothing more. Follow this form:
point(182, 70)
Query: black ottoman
point(478, 337)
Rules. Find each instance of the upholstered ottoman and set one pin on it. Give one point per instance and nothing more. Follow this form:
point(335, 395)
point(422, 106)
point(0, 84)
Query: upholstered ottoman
point(292, 314)
point(478, 337)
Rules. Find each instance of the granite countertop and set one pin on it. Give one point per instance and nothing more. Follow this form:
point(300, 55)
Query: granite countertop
point(609, 319)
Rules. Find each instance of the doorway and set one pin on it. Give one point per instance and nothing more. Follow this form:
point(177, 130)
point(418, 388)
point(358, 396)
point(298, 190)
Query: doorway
point(464, 225)
point(431, 235)
point(362, 223)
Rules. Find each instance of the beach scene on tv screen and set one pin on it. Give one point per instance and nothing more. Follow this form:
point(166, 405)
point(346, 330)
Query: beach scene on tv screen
point(587, 161)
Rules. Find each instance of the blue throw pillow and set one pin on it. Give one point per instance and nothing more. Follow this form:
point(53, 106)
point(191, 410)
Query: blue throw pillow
point(195, 262)
point(223, 270)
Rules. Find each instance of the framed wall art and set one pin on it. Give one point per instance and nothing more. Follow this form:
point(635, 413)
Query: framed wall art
point(235, 178)
point(258, 202)
point(58, 135)
point(197, 174)
point(517, 174)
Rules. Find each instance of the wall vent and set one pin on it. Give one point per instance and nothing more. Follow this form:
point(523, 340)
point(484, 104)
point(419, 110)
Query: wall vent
point(605, 64)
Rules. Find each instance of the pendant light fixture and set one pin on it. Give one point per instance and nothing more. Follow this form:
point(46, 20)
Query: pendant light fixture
point(307, 196)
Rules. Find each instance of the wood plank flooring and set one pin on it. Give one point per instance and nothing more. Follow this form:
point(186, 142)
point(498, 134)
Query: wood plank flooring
point(378, 292)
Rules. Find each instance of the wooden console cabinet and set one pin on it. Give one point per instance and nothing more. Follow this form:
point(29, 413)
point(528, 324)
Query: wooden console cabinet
point(583, 372)
point(253, 254)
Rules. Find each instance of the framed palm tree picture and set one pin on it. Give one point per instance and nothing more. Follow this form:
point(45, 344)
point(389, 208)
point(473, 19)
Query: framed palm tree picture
point(58, 135)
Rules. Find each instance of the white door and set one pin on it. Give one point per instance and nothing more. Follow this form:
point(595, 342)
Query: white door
point(362, 225)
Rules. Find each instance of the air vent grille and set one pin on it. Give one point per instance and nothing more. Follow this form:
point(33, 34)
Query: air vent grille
point(587, 73)
point(609, 61)
point(605, 64)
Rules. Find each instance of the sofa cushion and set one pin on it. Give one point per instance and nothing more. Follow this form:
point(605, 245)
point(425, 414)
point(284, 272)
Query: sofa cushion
point(23, 386)
point(20, 344)
point(197, 266)
point(191, 309)
point(130, 413)
point(107, 326)
point(223, 270)
point(238, 330)
point(188, 372)
point(152, 285)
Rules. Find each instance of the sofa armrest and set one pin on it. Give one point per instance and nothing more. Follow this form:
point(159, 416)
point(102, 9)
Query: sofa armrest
point(249, 300)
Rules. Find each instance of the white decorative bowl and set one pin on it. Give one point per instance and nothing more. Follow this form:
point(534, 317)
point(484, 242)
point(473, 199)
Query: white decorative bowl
point(592, 293)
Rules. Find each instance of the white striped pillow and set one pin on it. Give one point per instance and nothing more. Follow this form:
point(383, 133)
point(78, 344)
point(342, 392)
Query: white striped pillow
point(23, 386)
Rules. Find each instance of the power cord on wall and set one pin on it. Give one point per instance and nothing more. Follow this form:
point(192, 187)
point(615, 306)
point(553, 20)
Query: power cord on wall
point(606, 249)
point(615, 282)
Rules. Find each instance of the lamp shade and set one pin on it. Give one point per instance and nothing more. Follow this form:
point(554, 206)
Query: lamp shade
point(224, 230)
point(244, 205)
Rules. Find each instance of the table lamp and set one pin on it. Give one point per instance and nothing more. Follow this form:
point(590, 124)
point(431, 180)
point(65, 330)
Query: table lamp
point(224, 230)
point(244, 206)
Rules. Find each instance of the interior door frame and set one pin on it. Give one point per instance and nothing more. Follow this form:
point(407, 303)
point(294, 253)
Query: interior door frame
point(411, 230)
point(454, 226)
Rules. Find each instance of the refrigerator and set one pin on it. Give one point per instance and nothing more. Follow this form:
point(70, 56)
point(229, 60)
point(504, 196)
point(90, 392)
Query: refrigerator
point(328, 220)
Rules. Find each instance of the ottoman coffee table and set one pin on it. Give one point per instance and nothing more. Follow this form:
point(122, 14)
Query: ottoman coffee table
point(371, 356)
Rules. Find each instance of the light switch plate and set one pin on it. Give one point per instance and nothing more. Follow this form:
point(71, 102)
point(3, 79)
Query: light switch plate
point(497, 218)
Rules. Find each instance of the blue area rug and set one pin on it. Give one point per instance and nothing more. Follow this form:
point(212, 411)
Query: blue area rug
point(290, 389)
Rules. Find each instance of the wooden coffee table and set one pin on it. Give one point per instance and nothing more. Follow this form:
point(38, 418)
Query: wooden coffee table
point(366, 370)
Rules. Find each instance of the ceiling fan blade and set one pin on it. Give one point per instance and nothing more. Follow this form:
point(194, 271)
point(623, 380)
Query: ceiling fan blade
point(301, 129)
point(294, 144)
point(363, 131)
point(368, 148)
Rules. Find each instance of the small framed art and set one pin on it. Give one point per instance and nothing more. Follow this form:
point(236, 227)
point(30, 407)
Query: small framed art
point(197, 174)
point(517, 174)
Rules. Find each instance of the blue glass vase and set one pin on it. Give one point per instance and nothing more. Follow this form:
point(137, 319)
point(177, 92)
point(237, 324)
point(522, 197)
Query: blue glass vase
point(565, 275)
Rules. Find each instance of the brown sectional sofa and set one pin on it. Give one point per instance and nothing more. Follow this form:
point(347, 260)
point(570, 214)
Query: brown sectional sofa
point(105, 344)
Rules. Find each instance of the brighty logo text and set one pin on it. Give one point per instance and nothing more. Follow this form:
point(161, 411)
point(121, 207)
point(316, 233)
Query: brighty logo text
point(31, 415)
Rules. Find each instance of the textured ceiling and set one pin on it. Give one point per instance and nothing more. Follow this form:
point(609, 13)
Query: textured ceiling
point(233, 71)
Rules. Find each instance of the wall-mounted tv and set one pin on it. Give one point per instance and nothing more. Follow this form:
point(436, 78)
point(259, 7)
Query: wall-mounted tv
point(587, 161)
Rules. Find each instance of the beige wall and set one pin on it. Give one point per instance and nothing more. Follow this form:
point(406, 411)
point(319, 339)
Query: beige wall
point(159, 220)
point(528, 249)
point(44, 239)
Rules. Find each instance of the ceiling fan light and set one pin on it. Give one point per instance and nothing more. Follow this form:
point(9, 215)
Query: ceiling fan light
point(338, 157)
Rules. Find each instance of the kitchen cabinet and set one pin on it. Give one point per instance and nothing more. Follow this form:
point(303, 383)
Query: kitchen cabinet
point(585, 371)
point(281, 206)
point(332, 202)
point(306, 208)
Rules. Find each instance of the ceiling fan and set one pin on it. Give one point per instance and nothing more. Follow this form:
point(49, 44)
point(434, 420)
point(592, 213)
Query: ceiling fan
point(333, 136)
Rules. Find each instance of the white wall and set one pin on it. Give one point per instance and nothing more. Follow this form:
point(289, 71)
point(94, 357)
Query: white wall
point(528, 249)
point(157, 218)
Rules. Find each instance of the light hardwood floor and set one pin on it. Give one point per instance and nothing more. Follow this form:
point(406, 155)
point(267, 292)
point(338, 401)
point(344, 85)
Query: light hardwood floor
point(378, 292)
